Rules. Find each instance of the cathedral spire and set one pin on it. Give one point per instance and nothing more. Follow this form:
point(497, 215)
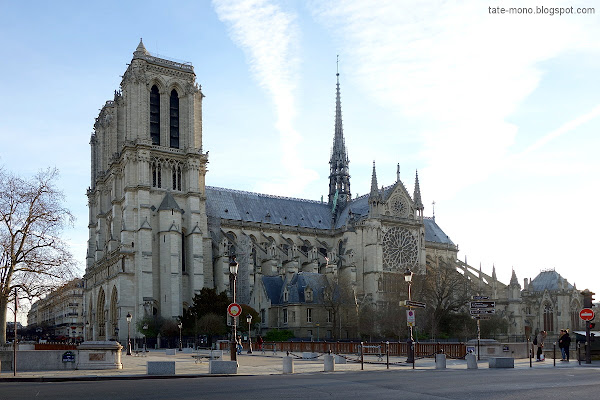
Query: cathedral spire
point(141, 50)
point(339, 176)
point(417, 194)
point(374, 189)
point(513, 278)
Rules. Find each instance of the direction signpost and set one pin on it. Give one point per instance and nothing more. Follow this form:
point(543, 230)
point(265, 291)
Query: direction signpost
point(481, 308)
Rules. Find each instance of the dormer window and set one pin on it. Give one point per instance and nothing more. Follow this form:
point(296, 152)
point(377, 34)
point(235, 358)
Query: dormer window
point(285, 296)
point(308, 294)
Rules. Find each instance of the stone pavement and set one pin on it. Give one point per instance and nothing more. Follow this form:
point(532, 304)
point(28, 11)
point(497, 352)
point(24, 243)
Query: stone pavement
point(134, 367)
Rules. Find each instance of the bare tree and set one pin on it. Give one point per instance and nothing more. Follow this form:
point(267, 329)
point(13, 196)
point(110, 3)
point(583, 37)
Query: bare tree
point(444, 290)
point(34, 259)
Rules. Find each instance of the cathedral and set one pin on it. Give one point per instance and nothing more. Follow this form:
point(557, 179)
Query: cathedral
point(158, 234)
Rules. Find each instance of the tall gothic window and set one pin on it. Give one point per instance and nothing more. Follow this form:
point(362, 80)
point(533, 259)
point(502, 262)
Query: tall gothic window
point(156, 175)
point(548, 318)
point(183, 260)
point(155, 115)
point(174, 120)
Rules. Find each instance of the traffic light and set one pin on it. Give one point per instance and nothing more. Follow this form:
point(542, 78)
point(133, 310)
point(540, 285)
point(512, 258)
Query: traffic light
point(591, 325)
point(588, 298)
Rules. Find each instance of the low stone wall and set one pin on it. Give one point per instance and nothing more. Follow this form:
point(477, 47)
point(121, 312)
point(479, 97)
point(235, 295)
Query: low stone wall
point(39, 360)
point(89, 355)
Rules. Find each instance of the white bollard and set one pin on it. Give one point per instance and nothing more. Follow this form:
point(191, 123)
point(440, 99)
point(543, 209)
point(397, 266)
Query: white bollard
point(288, 365)
point(328, 364)
point(471, 361)
point(440, 361)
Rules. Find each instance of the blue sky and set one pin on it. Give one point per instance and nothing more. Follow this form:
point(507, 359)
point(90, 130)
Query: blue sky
point(499, 113)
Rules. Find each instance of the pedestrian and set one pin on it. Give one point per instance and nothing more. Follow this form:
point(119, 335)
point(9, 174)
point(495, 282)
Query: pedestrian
point(239, 344)
point(259, 342)
point(564, 343)
point(540, 338)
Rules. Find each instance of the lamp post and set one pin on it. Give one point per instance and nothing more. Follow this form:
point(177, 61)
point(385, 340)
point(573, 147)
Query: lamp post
point(180, 342)
point(128, 333)
point(408, 278)
point(145, 328)
point(249, 321)
point(233, 270)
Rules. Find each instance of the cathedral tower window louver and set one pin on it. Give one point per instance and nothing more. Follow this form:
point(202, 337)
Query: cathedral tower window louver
point(155, 116)
point(174, 120)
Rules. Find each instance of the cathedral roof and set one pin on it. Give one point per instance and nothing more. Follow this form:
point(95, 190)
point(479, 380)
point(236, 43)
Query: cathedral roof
point(273, 285)
point(317, 282)
point(433, 233)
point(550, 280)
point(238, 205)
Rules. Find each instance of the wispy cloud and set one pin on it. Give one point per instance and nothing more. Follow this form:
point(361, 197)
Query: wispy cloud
point(268, 35)
point(455, 66)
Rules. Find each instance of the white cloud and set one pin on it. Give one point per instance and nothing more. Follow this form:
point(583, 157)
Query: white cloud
point(268, 35)
point(455, 66)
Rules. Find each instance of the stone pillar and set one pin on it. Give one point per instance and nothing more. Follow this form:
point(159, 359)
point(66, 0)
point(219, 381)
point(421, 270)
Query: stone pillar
point(471, 361)
point(288, 365)
point(328, 363)
point(440, 361)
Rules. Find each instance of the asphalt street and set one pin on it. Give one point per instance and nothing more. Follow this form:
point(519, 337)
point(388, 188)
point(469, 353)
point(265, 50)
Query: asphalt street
point(399, 384)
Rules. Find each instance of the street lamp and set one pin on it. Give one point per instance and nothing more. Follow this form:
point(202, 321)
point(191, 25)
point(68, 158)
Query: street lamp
point(128, 333)
point(145, 328)
point(249, 321)
point(180, 343)
point(408, 274)
point(233, 270)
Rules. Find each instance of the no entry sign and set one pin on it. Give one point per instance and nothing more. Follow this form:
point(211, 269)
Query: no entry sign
point(234, 309)
point(587, 314)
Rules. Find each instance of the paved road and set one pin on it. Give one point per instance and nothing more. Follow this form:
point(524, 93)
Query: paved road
point(407, 384)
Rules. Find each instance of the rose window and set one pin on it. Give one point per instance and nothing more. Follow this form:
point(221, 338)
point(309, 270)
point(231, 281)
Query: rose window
point(399, 249)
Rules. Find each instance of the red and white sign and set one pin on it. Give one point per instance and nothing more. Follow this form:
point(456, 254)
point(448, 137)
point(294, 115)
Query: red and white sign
point(234, 309)
point(587, 314)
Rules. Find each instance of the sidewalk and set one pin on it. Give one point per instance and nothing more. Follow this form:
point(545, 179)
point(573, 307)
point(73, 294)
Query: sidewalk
point(134, 367)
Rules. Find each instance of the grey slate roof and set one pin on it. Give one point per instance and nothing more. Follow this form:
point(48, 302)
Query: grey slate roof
point(317, 282)
point(433, 233)
point(254, 207)
point(547, 280)
point(169, 203)
point(238, 205)
point(273, 286)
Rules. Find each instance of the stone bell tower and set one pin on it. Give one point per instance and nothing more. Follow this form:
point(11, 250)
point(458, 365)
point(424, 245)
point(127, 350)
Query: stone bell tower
point(149, 250)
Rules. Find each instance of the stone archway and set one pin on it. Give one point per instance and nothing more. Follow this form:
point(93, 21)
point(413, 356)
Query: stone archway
point(101, 315)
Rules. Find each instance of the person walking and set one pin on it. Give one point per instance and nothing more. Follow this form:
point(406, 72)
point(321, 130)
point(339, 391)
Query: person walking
point(259, 342)
point(540, 338)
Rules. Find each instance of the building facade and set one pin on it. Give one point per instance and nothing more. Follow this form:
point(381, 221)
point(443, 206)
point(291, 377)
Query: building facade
point(59, 315)
point(158, 234)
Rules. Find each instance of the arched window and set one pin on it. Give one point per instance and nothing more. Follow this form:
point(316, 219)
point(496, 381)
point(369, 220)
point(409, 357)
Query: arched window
point(156, 174)
point(548, 318)
point(155, 115)
point(101, 316)
point(174, 120)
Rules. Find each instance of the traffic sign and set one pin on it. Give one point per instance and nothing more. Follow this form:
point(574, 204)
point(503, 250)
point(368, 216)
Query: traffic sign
point(587, 314)
point(410, 317)
point(481, 316)
point(234, 309)
point(481, 297)
point(416, 304)
point(483, 304)
point(478, 311)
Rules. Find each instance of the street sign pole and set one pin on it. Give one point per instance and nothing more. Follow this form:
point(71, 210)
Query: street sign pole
point(478, 339)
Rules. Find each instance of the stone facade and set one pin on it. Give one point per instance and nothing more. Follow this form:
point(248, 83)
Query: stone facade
point(158, 235)
point(59, 312)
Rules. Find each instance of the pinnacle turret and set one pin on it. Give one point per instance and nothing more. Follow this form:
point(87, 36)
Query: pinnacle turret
point(141, 50)
point(374, 189)
point(417, 194)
